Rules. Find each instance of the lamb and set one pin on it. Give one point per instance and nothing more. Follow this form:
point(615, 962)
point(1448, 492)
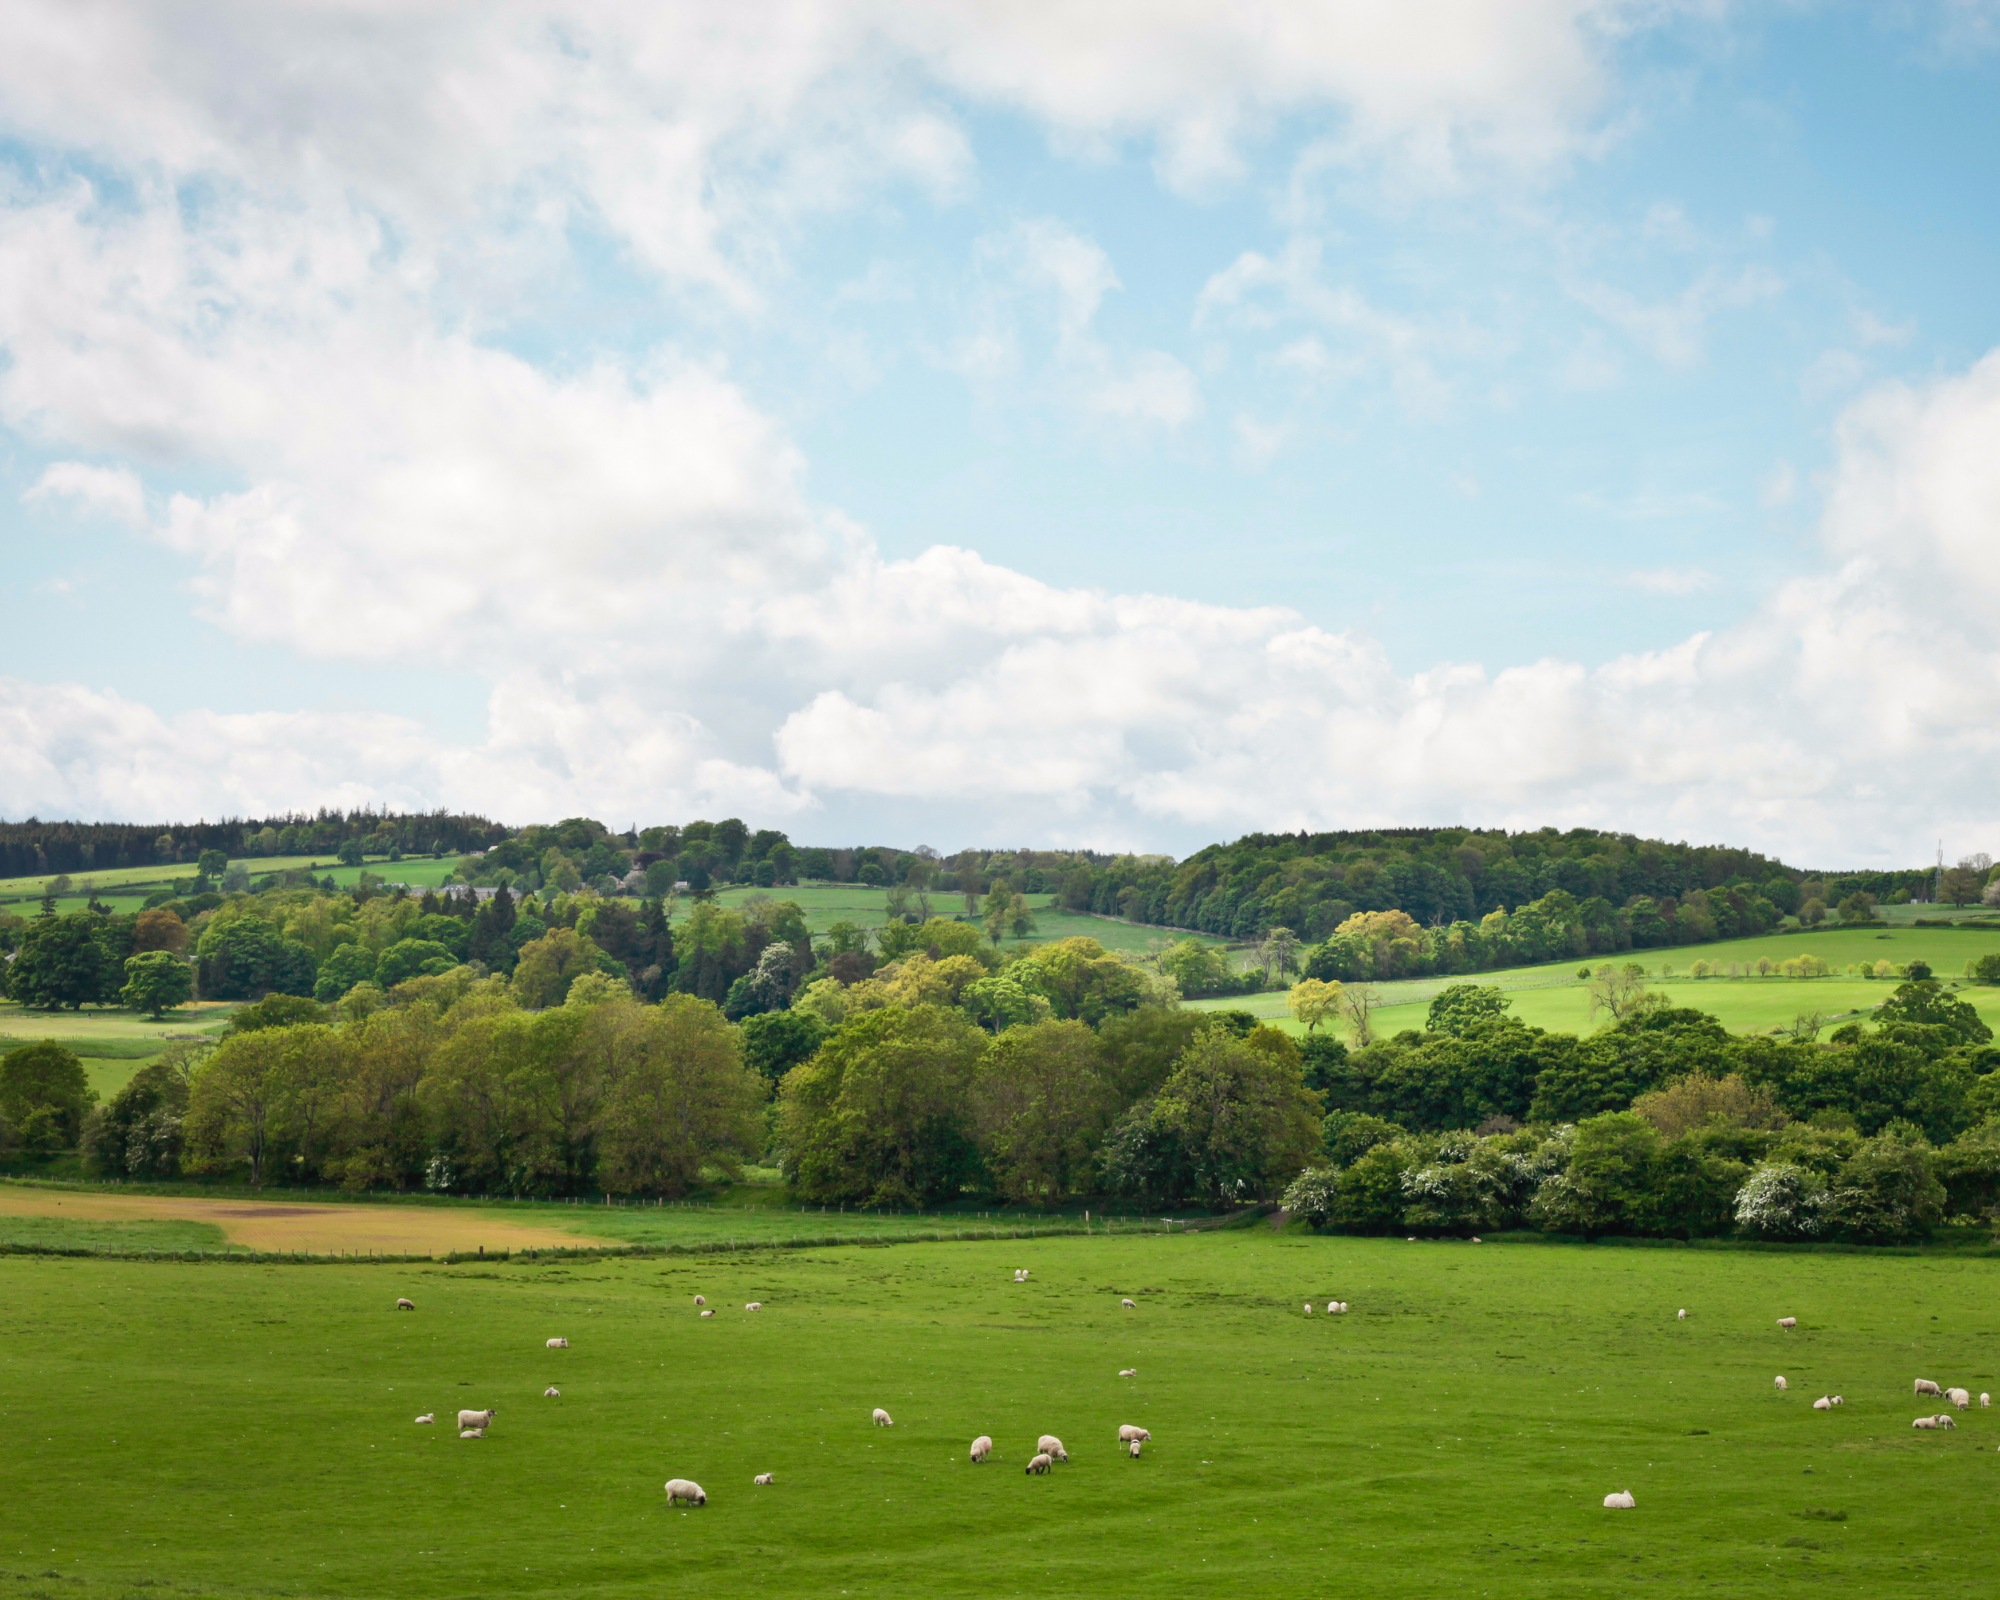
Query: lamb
point(754, 1305)
point(1986, 1399)
point(1684, 1314)
point(1925, 1386)
point(428, 1416)
point(1050, 1445)
point(1128, 1434)
point(406, 1305)
point(708, 1313)
point(1962, 1398)
point(1039, 1464)
point(982, 1447)
point(552, 1393)
point(1781, 1384)
point(558, 1344)
point(1020, 1274)
point(883, 1419)
point(1129, 1305)
point(472, 1433)
point(701, 1299)
point(1823, 1403)
point(679, 1489)
point(1837, 1400)
point(1621, 1501)
point(1925, 1422)
point(1133, 1372)
point(1309, 1308)
point(762, 1480)
point(1135, 1449)
point(478, 1419)
point(1333, 1308)
point(1788, 1323)
point(1943, 1420)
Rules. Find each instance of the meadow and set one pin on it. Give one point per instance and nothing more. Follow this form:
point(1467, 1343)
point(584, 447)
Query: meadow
point(1455, 1433)
point(121, 888)
point(1555, 997)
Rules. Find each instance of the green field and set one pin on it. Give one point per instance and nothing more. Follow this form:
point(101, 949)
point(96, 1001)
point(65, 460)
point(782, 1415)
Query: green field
point(133, 883)
point(1455, 1433)
point(1553, 996)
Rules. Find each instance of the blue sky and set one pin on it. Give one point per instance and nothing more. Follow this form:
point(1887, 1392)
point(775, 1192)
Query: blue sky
point(1123, 428)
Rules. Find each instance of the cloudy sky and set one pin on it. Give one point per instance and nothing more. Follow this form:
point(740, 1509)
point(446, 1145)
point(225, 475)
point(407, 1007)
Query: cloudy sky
point(1121, 425)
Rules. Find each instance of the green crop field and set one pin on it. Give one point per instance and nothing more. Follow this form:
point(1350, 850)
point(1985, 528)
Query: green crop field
point(1553, 996)
point(121, 886)
point(246, 1430)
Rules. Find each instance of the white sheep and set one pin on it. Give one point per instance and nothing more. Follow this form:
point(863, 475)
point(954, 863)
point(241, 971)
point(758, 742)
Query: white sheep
point(1684, 1314)
point(1823, 1403)
point(406, 1305)
point(1986, 1399)
point(1477, 1240)
point(982, 1447)
point(1621, 1501)
point(709, 1313)
point(1127, 1433)
point(472, 1433)
point(762, 1480)
point(1962, 1398)
point(428, 1416)
point(1925, 1422)
point(1133, 1372)
point(1943, 1420)
point(1333, 1308)
point(1925, 1386)
point(1039, 1464)
point(1309, 1308)
point(1342, 1311)
point(1788, 1322)
point(883, 1419)
point(1134, 1447)
point(1780, 1384)
point(1837, 1400)
point(754, 1305)
point(1129, 1305)
point(679, 1489)
point(558, 1344)
point(1050, 1445)
point(478, 1419)
point(552, 1393)
point(701, 1299)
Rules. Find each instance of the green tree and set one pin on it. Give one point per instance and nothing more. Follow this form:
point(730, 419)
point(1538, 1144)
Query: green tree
point(1885, 1193)
point(1080, 979)
point(1857, 907)
point(275, 1011)
point(244, 956)
point(680, 1099)
point(211, 863)
point(349, 855)
point(412, 958)
point(1607, 1185)
point(1313, 1001)
point(45, 1093)
point(1924, 1002)
point(1043, 1102)
point(1961, 886)
point(550, 964)
point(777, 1041)
point(345, 966)
point(65, 963)
point(156, 982)
point(1459, 1007)
point(139, 1134)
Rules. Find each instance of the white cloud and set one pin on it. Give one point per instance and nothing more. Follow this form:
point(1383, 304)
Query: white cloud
point(113, 492)
point(1674, 329)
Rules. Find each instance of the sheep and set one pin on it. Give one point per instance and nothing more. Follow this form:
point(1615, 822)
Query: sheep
point(1837, 1400)
point(427, 1417)
point(1135, 1449)
point(1477, 1240)
point(1925, 1422)
point(1943, 1420)
point(1333, 1308)
point(1133, 1372)
point(1039, 1464)
point(1962, 1398)
point(754, 1305)
point(1621, 1501)
point(1309, 1308)
point(1986, 1399)
point(701, 1299)
point(1050, 1445)
point(883, 1419)
point(1020, 1274)
point(1780, 1384)
point(478, 1419)
point(1129, 1305)
point(472, 1433)
point(709, 1313)
point(763, 1480)
point(1127, 1434)
point(558, 1344)
point(1788, 1323)
point(552, 1393)
point(1823, 1403)
point(406, 1305)
point(982, 1447)
point(1684, 1314)
point(1925, 1386)
point(679, 1489)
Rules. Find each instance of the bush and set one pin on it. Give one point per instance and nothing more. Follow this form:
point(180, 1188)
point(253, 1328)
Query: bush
point(1781, 1200)
point(1314, 1194)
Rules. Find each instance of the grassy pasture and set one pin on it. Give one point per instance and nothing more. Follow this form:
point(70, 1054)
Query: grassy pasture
point(1553, 996)
point(1454, 1434)
point(418, 871)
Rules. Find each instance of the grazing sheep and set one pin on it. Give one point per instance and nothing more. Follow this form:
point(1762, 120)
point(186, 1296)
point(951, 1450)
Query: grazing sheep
point(883, 1419)
point(1309, 1308)
point(1837, 1400)
point(1129, 1305)
point(1788, 1323)
point(1477, 1240)
point(709, 1313)
point(406, 1305)
point(428, 1416)
point(1823, 1403)
point(701, 1299)
point(472, 1433)
point(1039, 1464)
point(1135, 1449)
point(1621, 1501)
point(1684, 1314)
point(1020, 1274)
point(478, 1419)
point(558, 1344)
point(1050, 1445)
point(982, 1447)
point(1925, 1386)
point(754, 1305)
point(1133, 1372)
point(1962, 1398)
point(1127, 1433)
point(679, 1489)
point(762, 1480)
point(1925, 1422)
point(1943, 1420)
point(1986, 1399)
point(552, 1393)
point(1781, 1384)
point(1333, 1308)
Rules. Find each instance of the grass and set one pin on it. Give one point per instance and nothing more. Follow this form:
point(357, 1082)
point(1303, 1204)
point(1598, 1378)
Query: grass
point(121, 887)
point(76, 1233)
point(1553, 996)
point(1454, 1434)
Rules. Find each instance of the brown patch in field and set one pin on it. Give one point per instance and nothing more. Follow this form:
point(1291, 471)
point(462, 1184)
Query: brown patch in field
point(320, 1229)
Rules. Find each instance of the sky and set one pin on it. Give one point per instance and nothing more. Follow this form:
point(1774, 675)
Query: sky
point(1121, 426)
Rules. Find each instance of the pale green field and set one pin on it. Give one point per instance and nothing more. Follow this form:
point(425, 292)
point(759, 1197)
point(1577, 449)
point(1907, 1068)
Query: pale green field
point(417, 871)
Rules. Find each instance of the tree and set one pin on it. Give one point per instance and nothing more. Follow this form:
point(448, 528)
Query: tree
point(45, 1093)
point(1923, 1002)
point(1043, 1102)
point(774, 1042)
point(1621, 992)
point(234, 1108)
point(139, 1134)
point(1857, 907)
point(159, 929)
point(211, 863)
point(1701, 1100)
point(1961, 885)
point(1885, 1192)
point(1279, 953)
point(1313, 1001)
point(550, 964)
point(680, 1097)
point(66, 963)
point(345, 966)
point(1081, 979)
point(156, 981)
point(1460, 1007)
point(1197, 968)
point(1358, 1002)
point(1813, 913)
point(1781, 1200)
point(412, 958)
point(349, 854)
point(275, 1011)
point(245, 956)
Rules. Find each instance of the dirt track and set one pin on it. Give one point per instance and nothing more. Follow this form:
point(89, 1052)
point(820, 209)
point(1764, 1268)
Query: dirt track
point(396, 1230)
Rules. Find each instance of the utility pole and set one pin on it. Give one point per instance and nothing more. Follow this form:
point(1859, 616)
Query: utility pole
point(1937, 883)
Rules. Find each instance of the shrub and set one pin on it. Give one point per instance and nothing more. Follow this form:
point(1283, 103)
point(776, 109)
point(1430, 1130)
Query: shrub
point(1781, 1200)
